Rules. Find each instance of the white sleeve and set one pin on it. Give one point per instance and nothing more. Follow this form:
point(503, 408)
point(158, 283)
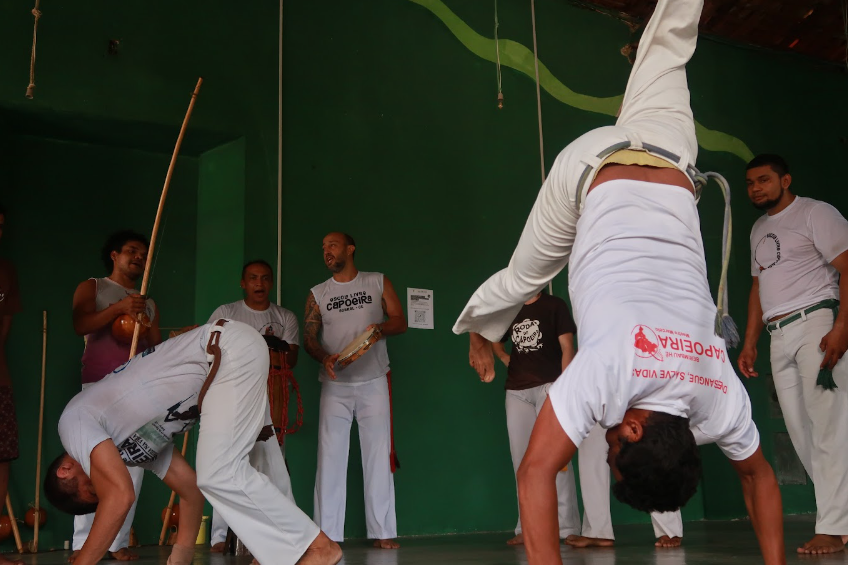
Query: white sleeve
point(829, 229)
point(741, 438)
point(161, 464)
point(291, 332)
point(80, 434)
point(217, 315)
point(579, 397)
point(541, 253)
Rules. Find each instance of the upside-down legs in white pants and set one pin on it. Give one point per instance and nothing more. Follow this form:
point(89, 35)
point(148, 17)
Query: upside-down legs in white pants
point(234, 411)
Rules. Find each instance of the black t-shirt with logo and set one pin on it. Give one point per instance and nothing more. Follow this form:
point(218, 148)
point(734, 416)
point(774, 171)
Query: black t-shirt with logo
point(536, 356)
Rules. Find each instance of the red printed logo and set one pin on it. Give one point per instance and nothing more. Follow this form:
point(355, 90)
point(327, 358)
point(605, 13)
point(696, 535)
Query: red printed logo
point(646, 343)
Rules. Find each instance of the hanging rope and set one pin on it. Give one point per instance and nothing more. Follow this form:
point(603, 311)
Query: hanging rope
point(539, 107)
point(30, 91)
point(498, 59)
point(538, 91)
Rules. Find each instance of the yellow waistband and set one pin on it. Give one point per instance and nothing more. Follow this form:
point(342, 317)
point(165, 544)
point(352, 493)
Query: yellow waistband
point(635, 157)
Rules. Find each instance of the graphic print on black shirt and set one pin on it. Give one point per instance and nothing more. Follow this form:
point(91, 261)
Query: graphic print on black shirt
point(526, 336)
point(536, 356)
point(145, 444)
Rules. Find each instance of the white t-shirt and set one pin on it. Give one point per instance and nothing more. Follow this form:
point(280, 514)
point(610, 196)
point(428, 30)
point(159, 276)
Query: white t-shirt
point(141, 405)
point(791, 254)
point(645, 319)
point(276, 320)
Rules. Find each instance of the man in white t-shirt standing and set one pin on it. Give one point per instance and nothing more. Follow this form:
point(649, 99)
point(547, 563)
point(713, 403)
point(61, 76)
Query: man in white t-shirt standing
point(339, 309)
point(799, 261)
point(257, 311)
point(129, 419)
point(650, 368)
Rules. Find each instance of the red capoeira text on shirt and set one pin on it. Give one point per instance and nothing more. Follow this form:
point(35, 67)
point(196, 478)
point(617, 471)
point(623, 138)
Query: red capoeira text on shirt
point(662, 343)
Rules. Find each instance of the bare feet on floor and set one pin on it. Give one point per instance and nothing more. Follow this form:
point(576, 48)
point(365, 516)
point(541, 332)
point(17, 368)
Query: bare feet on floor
point(517, 540)
point(322, 551)
point(665, 541)
point(583, 541)
point(386, 544)
point(124, 554)
point(218, 547)
point(73, 556)
point(823, 543)
point(4, 561)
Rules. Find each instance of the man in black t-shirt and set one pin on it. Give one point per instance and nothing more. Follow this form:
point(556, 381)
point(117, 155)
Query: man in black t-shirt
point(542, 335)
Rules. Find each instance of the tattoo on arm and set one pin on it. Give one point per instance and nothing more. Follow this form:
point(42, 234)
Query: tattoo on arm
point(311, 329)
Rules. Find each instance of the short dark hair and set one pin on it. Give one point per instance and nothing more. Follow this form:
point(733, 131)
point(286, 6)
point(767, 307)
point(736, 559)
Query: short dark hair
point(777, 163)
point(256, 262)
point(116, 242)
point(349, 241)
point(62, 493)
point(662, 470)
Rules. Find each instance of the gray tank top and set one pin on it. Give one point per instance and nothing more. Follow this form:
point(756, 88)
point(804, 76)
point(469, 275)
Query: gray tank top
point(346, 310)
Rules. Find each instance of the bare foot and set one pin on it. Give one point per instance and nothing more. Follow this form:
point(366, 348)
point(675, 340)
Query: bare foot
point(123, 554)
point(665, 541)
point(823, 543)
point(583, 541)
point(322, 551)
point(73, 556)
point(517, 540)
point(386, 544)
point(4, 561)
point(218, 547)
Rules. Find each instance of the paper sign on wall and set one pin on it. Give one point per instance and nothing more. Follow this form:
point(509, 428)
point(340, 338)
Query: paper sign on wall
point(419, 308)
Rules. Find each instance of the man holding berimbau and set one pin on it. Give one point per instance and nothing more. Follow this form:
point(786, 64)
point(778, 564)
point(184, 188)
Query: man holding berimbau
point(340, 309)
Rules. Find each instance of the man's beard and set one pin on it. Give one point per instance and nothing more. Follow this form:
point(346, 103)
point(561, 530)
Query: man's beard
point(767, 205)
point(336, 266)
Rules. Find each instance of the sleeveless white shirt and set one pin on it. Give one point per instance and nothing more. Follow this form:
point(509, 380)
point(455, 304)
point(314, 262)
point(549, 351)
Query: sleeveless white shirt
point(346, 310)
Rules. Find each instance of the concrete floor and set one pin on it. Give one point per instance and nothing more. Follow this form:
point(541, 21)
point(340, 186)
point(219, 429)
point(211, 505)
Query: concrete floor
point(704, 543)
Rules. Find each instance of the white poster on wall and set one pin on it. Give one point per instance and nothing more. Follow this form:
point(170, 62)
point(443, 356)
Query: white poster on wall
point(419, 308)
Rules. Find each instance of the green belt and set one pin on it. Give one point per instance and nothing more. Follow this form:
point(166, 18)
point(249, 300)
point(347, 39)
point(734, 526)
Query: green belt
point(830, 303)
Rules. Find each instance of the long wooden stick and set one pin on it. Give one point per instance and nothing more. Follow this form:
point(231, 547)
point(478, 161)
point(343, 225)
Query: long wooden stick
point(145, 280)
point(40, 433)
point(15, 531)
point(166, 523)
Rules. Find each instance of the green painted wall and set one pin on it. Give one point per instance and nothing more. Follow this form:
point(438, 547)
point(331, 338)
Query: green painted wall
point(391, 133)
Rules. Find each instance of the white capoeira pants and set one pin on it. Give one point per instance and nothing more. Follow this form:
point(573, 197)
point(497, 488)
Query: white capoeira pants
point(368, 403)
point(82, 524)
point(522, 408)
point(817, 419)
point(655, 111)
point(595, 487)
point(233, 413)
point(266, 463)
